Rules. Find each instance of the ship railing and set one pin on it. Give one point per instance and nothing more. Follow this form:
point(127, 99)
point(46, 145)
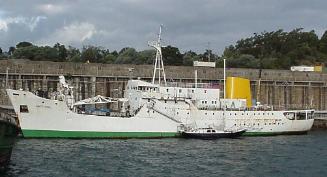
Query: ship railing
point(193, 85)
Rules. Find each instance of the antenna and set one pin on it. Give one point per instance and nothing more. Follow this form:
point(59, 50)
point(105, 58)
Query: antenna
point(209, 52)
point(7, 76)
point(158, 64)
point(224, 78)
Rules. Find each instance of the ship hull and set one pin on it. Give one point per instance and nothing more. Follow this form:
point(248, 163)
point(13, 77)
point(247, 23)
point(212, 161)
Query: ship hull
point(44, 118)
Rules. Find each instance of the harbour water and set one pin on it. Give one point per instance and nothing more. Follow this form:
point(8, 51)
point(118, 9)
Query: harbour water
point(297, 155)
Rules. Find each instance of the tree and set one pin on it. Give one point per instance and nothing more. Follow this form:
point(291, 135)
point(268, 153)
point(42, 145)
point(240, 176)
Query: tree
point(279, 49)
point(323, 43)
point(23, 44)
point(127, 56)
point(73, 54)
point(62, 52)
point(172, 56)
point(11, 50)
point(91, 54)
point(0, 50)
point(146, 57)
point(189, 57)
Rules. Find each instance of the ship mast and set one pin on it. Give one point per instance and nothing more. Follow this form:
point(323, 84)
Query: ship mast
point(158, 64)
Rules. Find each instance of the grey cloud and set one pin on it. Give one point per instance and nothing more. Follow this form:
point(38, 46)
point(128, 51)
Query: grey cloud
point(189, 24)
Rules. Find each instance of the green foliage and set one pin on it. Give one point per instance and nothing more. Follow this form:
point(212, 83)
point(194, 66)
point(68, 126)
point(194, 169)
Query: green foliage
point(146, 57)
point(271, 50)
point(278, 49)
point(11, 50)
point(172, 56)
point(189, 57)
point(126, 56)
point(23, 44)
point(61, 51)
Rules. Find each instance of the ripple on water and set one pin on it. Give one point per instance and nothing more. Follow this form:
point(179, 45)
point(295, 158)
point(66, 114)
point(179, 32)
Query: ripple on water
point(249, 156)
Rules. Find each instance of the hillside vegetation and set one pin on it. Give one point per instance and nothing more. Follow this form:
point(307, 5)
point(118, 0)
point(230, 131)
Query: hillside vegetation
point(270, 50)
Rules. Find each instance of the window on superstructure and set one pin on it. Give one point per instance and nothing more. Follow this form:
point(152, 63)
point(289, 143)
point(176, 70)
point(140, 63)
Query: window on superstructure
point(24, 108)
point(167, 90)
point(192, 91)
point(180, 90)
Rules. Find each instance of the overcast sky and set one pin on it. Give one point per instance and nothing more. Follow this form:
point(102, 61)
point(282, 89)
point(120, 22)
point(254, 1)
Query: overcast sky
point(188, 24)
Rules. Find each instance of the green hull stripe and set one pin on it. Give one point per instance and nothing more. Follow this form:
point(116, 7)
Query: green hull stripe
point(87, 134)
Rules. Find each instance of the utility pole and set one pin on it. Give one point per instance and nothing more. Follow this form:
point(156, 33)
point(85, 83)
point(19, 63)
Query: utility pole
point(7, 72)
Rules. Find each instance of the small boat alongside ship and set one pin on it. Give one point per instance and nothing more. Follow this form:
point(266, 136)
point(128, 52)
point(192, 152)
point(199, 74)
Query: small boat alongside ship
point(8, 134)
point(152, 110)
point(211, 133)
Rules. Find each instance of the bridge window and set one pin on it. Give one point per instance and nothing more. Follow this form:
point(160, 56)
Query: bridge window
point(24, 108)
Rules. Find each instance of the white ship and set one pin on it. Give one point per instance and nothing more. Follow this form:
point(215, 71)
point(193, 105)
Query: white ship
point(150, 110)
